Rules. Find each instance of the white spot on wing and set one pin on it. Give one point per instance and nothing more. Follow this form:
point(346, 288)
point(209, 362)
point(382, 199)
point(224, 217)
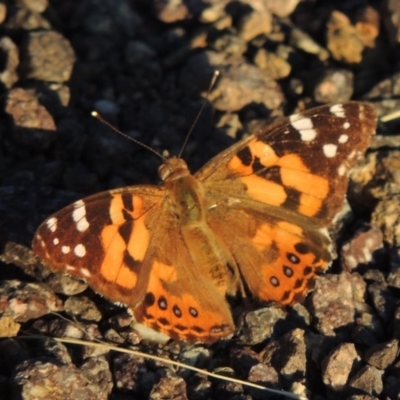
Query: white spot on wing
point(65, 249)
point(308, 134)
point(305, 127)
point(330, 150)
point(52, 224)
point(85, 272)
point(300, 122)
point(80, 250)
point(56, 241)
point(342, 170)
point(338, 110)
point(346, 125)
point(79, 216)
point(70, 268)
point(343, 138)
point(82, 225)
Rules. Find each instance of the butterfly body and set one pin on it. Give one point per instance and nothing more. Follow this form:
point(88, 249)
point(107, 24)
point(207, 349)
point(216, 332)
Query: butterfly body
point(189, 209)
point(253, 219)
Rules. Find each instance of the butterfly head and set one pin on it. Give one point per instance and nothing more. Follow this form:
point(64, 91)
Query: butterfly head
point(172, 169)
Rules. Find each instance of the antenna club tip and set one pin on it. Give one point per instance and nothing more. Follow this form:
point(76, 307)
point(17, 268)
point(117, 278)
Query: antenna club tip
point(216, 72)
point(94, 114)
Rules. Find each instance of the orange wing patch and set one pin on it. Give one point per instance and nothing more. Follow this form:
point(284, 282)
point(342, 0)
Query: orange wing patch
point(125, 242)
point(290, 273)
point(119, 236)
point(182, 314)
point(277, 259)
point(137, 238)
point(257, 168)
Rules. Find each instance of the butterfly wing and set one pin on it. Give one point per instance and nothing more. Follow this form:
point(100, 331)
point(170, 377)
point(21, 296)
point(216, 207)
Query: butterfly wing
point(102, 239)
point(298, 164)
point(277, 259)
point(181, 301)
point(278, 189)
point(124, 244)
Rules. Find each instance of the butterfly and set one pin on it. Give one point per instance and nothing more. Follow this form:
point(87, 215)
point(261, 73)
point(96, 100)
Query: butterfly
point(253, 220)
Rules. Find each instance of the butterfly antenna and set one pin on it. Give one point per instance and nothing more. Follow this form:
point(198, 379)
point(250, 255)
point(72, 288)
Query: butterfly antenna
point(213, 80)
point(101, 119)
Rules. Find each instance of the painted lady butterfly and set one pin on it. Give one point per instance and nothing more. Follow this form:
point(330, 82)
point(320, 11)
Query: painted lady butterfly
point(252, 219)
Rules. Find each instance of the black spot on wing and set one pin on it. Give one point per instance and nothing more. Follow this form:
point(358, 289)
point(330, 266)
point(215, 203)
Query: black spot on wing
point(127, 215)
point(177, 311)
point(125, 231)
point(323, 213)
point(149, 299)
point(273, 174)
point(163, 321)
point(245, 156)
point(257, 166)
point(162, 303)
point(193, 312)
point(288, 271)
point(285, 296)
point(130, 262)
point(292, 199)
point(180, 327)
point(127, 201)
point(307, 271)
point(301, 248)
point(293, 258)
point(274, 281)
point(299, 283)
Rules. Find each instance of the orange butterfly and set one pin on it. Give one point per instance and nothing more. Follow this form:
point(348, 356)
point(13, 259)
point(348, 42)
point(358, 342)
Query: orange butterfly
point(252, 219)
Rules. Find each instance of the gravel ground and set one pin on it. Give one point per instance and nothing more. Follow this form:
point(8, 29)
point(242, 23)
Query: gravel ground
point(145, 65)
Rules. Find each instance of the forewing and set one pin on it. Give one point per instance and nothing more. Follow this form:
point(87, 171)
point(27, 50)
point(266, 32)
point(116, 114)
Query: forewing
point(103, 239)
point(298, 165)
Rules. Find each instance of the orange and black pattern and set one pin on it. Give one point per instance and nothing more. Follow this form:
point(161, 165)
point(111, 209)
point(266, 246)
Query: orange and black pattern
point(253, 219)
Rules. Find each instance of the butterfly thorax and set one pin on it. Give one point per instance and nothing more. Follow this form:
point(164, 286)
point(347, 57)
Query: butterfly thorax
point(184, 193)
point(187, 201)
